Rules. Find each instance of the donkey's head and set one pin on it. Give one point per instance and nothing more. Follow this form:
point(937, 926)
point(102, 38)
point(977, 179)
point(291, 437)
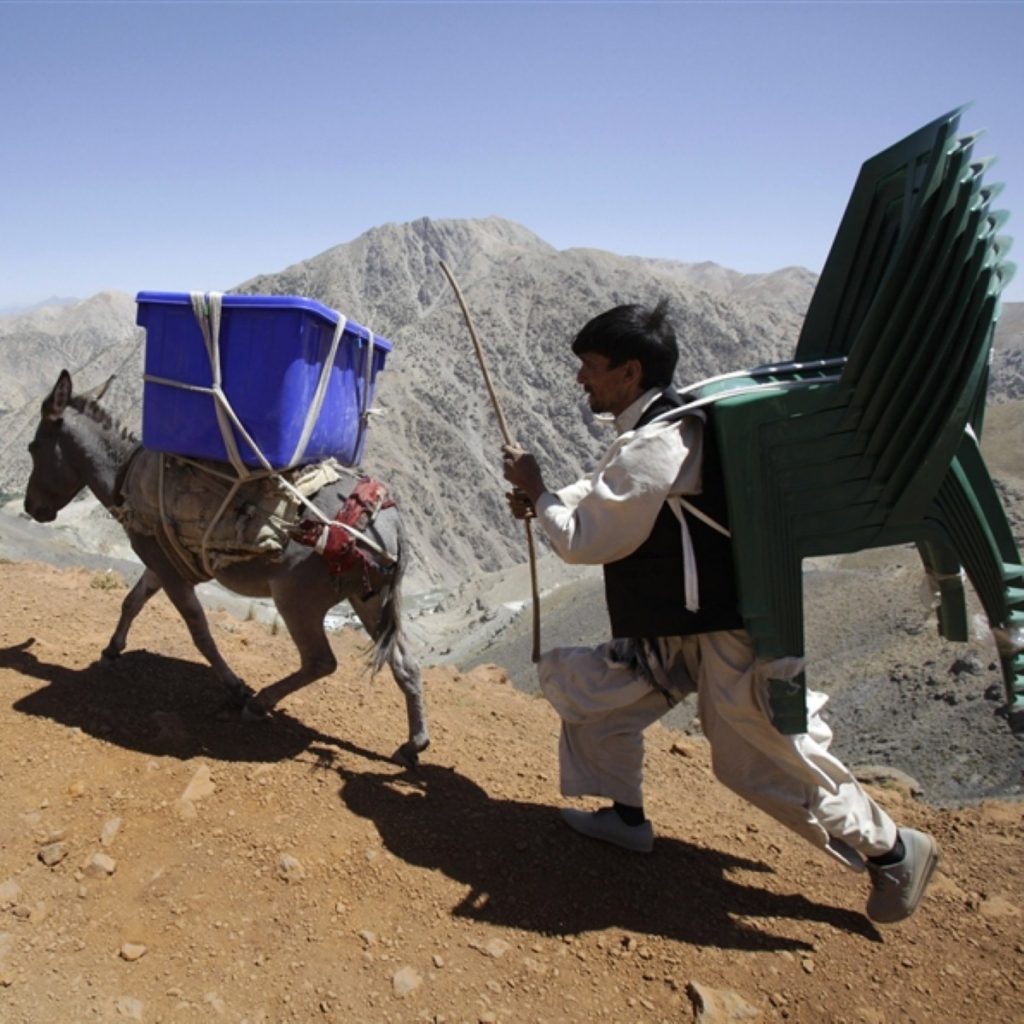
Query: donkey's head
point(58, 466)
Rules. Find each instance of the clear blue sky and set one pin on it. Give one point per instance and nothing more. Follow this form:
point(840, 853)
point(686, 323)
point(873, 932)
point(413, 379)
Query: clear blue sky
point(180, 145)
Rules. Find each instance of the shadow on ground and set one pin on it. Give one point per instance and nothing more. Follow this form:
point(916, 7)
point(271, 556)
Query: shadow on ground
point(525, 869)
point(162, 706)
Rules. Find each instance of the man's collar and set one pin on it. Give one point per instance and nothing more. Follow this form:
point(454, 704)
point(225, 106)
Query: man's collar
point(627, 419)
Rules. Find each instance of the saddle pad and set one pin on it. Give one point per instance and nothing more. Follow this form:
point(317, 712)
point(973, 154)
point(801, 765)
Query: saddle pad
point(213, 517)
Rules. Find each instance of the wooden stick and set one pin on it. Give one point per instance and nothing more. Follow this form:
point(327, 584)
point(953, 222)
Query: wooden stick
point(507, 437)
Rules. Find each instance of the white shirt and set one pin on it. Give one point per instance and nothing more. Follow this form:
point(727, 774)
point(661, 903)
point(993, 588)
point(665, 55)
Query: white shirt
point(611, 511)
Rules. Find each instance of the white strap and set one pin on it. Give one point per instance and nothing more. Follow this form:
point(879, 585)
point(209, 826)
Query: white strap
point(364, 405)
point(313, 412)
point(206, 308)
point(702, 516)
point(690, 580)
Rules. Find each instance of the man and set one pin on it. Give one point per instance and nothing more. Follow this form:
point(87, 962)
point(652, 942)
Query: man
point(653, 513)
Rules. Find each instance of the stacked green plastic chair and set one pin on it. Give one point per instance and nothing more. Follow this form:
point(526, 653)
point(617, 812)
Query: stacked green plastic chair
point(869, 437)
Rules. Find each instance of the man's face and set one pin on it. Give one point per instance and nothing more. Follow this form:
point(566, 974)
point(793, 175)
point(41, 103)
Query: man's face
point(610, 389)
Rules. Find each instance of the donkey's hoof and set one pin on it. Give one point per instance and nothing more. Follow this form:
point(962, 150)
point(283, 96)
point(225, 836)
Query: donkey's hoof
point(254, 711)
point(234, 703)
point(408, 754)
point(109, 655)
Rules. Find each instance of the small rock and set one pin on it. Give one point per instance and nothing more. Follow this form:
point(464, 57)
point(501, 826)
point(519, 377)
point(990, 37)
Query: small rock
point(53, 853)
point(185, 809)
point(289, 868)
point(405, 980)
point(132, 951)
point(110, 830)
point(9, 893)
point(130, 1007)
point(717, 1006)
point(201, 786)
point(970, 665)
point(100, 865)
point(495, 948)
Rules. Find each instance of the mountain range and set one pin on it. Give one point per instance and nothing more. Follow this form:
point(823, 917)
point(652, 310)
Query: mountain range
point(436, 441)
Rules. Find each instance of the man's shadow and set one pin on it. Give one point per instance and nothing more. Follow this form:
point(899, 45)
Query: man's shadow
point(524, 868)
point(161, 706)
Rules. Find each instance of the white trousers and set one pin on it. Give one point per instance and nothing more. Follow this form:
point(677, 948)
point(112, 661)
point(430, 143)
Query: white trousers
point(606, 704)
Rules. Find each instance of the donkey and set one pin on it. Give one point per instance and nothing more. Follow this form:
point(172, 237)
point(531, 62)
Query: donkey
point(79, 445)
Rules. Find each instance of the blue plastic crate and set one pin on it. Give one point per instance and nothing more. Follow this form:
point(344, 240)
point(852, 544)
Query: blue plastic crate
point(272, 351)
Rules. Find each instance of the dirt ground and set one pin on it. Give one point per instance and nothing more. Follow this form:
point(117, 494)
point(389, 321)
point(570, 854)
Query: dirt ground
point(158, 863)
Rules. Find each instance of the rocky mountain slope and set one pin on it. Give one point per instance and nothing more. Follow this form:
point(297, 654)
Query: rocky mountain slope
point(437, 442)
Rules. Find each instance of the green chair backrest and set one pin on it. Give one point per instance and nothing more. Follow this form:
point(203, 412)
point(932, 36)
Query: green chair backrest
point(884, 199)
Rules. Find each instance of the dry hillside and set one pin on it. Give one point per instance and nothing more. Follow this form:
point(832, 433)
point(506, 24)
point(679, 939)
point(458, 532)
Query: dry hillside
point(436, 442)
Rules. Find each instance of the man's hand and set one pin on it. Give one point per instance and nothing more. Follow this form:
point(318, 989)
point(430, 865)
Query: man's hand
point(522, 472)
point(520, 505)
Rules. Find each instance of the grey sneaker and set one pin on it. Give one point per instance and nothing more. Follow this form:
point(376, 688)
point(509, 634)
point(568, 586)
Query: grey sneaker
point(607, 826)
point(896, 889)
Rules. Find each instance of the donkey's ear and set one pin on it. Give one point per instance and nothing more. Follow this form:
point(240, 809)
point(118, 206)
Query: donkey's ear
point(100, 390)
point(57, 401)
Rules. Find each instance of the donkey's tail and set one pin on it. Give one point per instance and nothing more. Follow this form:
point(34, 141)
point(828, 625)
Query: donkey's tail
point(389, 632)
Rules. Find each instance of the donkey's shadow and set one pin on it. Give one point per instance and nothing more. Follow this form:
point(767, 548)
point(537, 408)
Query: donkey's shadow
point(162, 706)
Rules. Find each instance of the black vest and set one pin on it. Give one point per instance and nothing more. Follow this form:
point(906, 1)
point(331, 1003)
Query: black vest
point(645, 591)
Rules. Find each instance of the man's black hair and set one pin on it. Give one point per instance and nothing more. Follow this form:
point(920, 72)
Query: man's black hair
point(634, 332)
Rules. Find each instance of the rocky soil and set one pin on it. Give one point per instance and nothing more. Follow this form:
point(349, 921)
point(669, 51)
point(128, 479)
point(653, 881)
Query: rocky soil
point(158, 863)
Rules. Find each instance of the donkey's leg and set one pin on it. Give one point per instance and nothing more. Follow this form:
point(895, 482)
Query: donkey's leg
point(377, 617)
point(303, 611)
point(183, 596)
point(147, 585)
